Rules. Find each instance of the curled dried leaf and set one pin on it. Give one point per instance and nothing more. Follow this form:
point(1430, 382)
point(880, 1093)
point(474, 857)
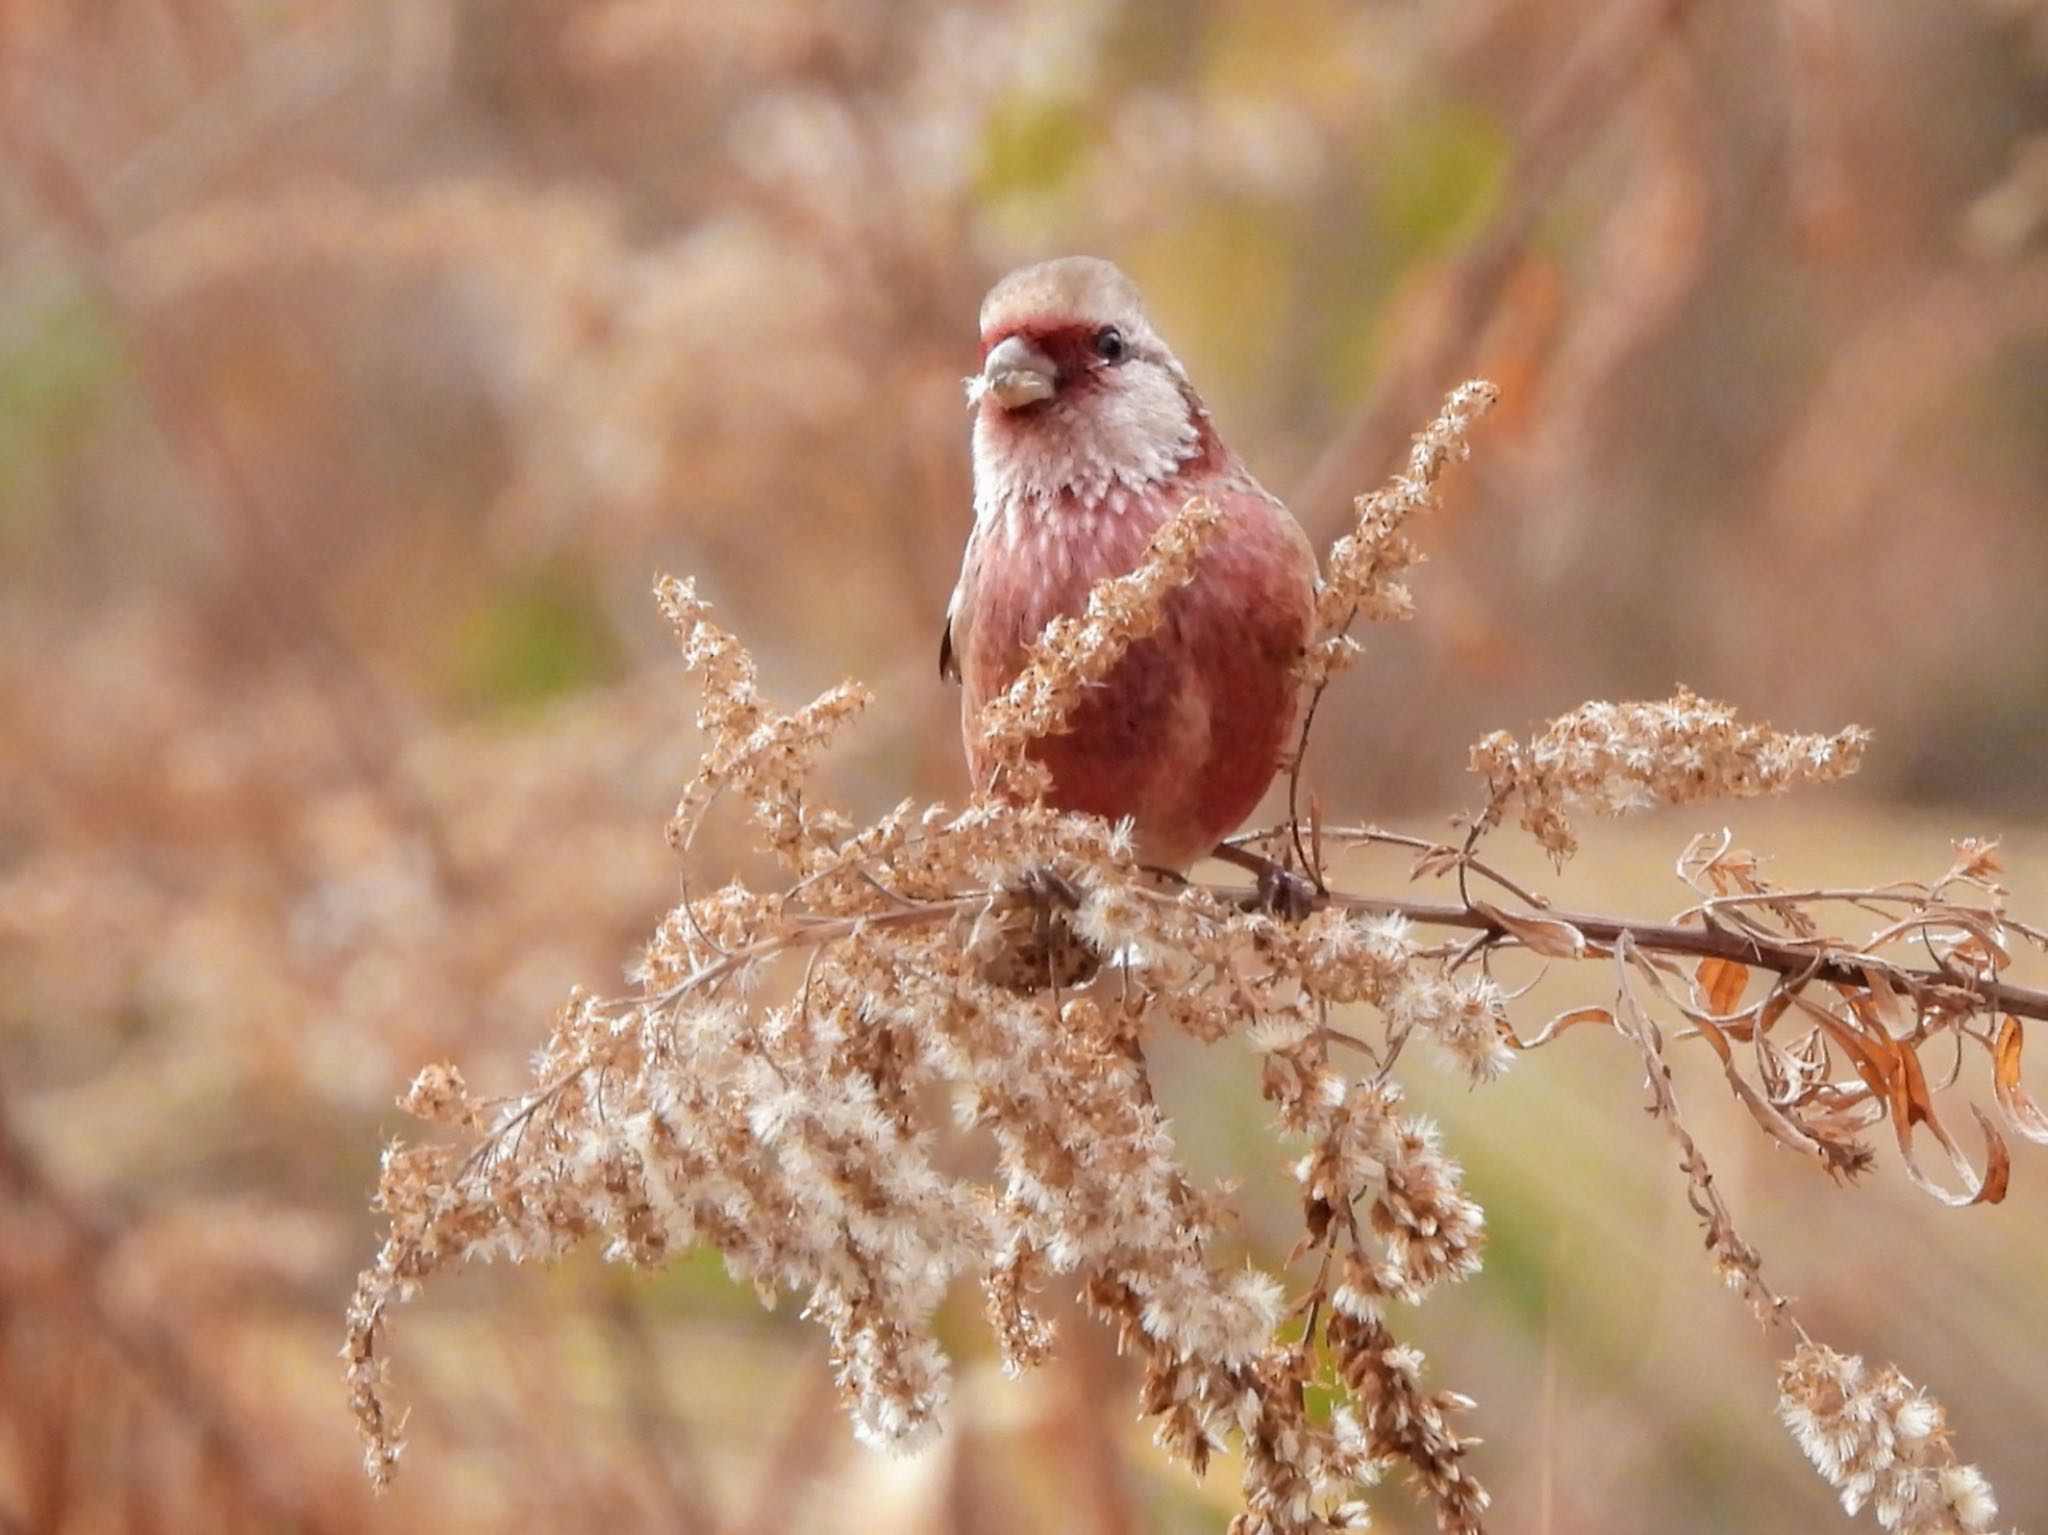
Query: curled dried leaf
point(1833, 1154)
point(1562, 1022)
point(2020, 1110)
point(1721, 983)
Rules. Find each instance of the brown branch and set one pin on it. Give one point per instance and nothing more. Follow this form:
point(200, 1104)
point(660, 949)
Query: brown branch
point(1829, 963)
point(1819, 962)
point(1833, 964)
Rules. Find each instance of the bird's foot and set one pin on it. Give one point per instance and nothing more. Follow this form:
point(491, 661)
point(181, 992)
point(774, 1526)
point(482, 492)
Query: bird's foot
point(1035, 947)
point(1049, 888)
point(1285, 892)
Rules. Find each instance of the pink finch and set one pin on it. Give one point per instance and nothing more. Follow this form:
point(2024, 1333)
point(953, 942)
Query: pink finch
point(1087, 437)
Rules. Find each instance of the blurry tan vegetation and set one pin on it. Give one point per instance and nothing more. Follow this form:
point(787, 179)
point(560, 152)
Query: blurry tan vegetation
point(359, 363)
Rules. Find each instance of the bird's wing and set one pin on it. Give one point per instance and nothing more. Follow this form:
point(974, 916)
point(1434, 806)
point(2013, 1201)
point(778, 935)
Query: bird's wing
point(960, 612)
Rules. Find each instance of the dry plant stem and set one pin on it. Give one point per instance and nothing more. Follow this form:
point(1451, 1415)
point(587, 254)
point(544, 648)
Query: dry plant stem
point(1362, 578)
point(1835, 967)
point(815, 932)
point(1435, 852)
point(1739, 1263)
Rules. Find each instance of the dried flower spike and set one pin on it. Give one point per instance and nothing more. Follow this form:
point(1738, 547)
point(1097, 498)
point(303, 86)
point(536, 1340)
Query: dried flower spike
point(1615, 758)
point(1362, 576)
point(1883, 1442)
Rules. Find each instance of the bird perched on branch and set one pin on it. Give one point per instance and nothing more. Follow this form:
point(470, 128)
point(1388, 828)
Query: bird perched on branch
point(1088, 436)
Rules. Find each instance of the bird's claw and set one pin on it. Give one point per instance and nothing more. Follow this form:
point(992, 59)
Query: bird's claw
point(1279, 890)
point(1050, 888)
point(1286, 894)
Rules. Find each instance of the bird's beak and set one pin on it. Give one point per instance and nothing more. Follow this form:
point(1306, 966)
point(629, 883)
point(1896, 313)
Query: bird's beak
point(1015, 373)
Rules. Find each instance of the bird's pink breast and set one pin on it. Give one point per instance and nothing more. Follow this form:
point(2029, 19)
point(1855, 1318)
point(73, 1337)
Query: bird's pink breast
point(1187, 731)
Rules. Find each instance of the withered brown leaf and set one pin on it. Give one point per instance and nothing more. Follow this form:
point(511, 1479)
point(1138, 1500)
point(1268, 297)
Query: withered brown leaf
point(1547, 936)
point(2021, 1112)
point(1722, 981)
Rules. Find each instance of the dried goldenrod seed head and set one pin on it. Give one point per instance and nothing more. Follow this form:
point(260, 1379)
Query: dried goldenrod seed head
point(790, 1080)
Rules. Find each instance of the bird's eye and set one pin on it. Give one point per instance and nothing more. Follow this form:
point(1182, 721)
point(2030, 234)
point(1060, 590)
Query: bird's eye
point(1109, 344)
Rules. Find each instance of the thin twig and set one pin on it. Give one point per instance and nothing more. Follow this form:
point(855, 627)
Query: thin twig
point(1742, 1262)
point(1828, 963)
point(1374, 835)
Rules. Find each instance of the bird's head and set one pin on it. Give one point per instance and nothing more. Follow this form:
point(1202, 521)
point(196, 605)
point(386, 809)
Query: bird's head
point(1076, 391)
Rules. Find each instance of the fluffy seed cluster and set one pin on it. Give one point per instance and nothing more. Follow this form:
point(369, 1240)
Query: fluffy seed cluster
point(1213, 968)
point(1347, 956)
point(1881, 1441)
point(1073, 654)
point(788, 1135)
point(1362, 575)
point(827, 1081)
point(769, 754)
point(1615, 758)
point(766, 1093)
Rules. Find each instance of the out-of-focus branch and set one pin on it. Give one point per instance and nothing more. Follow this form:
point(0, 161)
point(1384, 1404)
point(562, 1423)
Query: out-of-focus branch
point(278, 81)
point(667, 1456)
point(790, 1467)
point(1440, 338)
point(149, 1348)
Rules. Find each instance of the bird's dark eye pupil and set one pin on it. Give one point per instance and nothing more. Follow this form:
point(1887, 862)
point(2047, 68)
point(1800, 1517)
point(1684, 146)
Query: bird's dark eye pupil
point(1109, 344)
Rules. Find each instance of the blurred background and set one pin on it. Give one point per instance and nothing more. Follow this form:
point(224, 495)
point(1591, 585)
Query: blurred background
point(361, 362)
